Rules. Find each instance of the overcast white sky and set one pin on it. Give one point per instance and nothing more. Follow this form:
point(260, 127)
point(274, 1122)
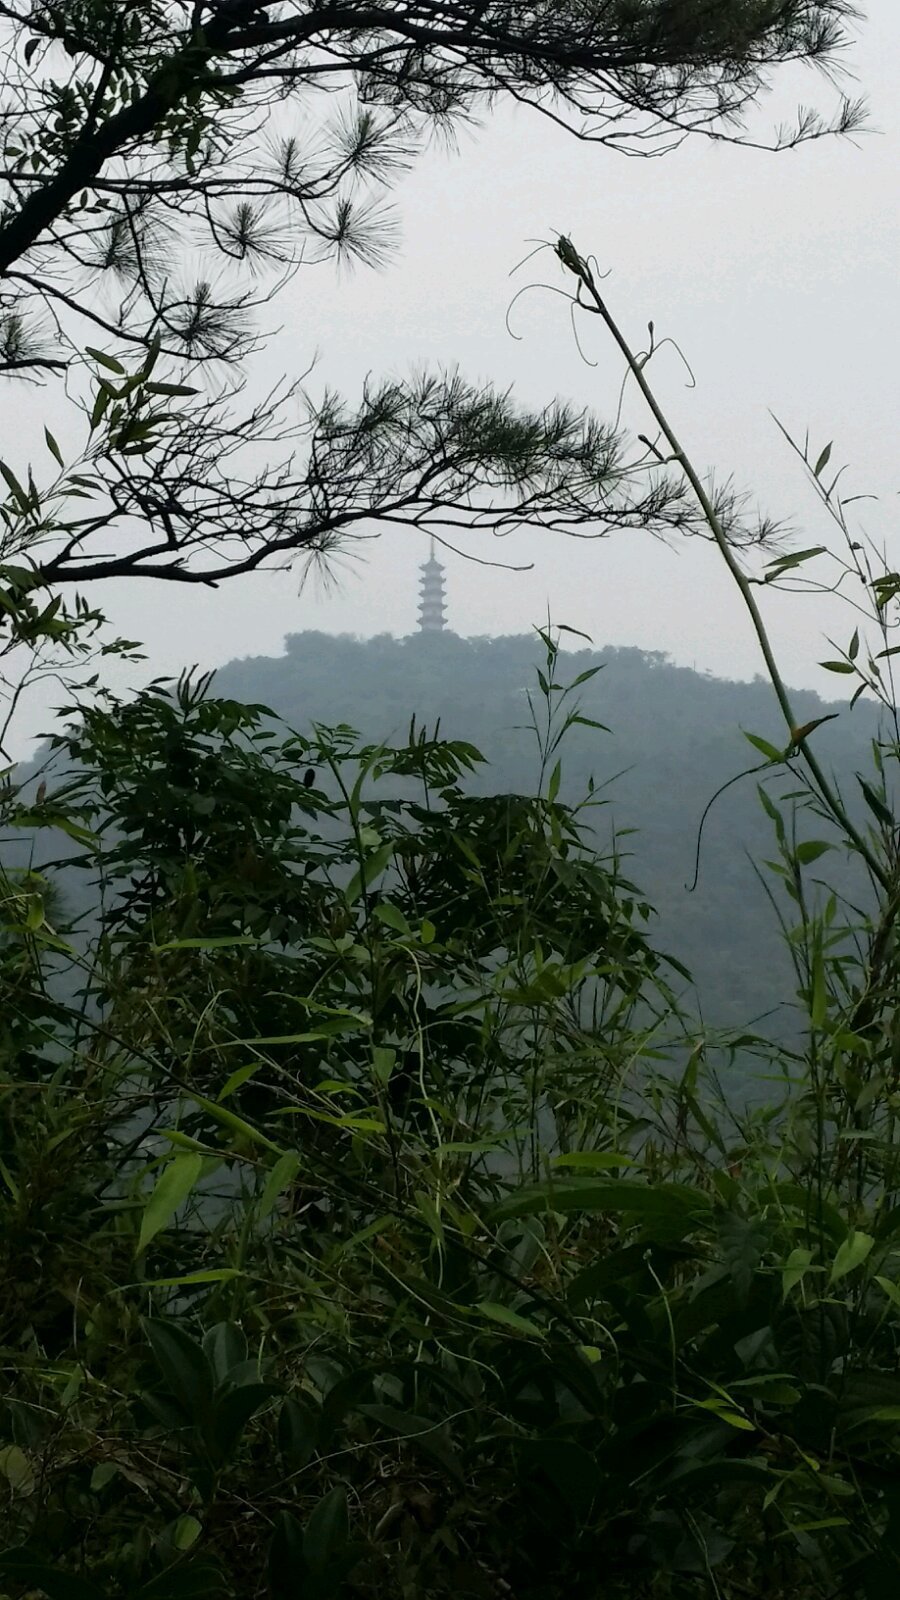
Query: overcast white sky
point(776, 274)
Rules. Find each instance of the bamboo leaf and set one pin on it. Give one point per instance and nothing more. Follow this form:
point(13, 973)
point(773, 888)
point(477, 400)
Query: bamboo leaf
point(176, 1181)
point(53, 447)
point(875, 803)
point(770, 751)
point(510, 1319)
point(282, 1174)
point(109, 362)
point(810, 850)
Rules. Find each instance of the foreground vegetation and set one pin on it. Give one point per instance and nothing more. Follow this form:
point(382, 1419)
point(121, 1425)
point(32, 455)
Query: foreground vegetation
point(671, 737)
point(371, 1223)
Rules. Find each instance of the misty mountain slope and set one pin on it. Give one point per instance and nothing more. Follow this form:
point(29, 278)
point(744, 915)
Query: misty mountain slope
point(674, 737)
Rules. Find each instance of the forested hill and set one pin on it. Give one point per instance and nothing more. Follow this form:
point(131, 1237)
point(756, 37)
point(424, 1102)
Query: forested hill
point(674, 737)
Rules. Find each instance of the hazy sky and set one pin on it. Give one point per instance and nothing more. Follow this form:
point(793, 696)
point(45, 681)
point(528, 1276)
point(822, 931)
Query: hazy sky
point(775, 273)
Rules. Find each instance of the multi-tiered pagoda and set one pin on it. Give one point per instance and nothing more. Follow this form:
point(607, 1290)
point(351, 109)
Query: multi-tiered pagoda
point(432, 605)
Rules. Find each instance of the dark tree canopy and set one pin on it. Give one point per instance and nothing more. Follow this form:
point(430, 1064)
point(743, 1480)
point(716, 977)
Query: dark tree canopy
point(168, 164)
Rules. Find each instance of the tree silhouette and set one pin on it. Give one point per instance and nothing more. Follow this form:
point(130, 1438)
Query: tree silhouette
point(168, 166)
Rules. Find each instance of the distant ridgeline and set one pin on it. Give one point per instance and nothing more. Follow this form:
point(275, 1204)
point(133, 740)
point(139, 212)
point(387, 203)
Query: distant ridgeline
point(675, 737)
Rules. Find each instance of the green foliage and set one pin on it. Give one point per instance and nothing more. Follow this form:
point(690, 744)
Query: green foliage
point(674, 740)
point(392, 1236)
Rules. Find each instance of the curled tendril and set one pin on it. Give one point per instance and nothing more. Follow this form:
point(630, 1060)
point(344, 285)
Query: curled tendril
point(644, 357)
point(539, 245)
point(550, 288)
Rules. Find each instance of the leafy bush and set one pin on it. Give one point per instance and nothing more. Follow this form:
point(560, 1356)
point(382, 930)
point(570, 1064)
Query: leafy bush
point(369, 1223)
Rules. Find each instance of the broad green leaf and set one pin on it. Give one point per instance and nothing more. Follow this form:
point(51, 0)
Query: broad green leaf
point(298, 1431)
point(225, 1348)
point(838, 666)
point(803, 732)
point(185, 1142)
point(510, 1319)
point(795, 1269)
point(795, 1197)
point(171, 389)
point(109, 362)
point(71, 829)
point(851, 1254)
point(384, 1061)
point(726, 1413)
point(824, 459)
point(186, 1532)
point(473, 1147)
point(234, 1411)
point(175, 1183)
point(585, 676)
point(813, 1527)
point(12, 483)
point(237, 1079)
point(282, 1174)
point(327, 1531)
point(875, 803)
point(784, 563)
point(10, 1182)
point(772, 811)
point(371, 869)
point(53, 447)
point(593, 1160)
point(771, 1387)
point(621, 1196)
point(818, 1006)
point(393, 917)
point(466, 848)
point(234, 1123)
point(343, 1022)
point(891, 1289)
point(355, 1123)
point(212, 1275)
point(372, 1230)
point(810, 850)
point(770, 751)
point(183, 1365)
point(429, 1211)
point(16, 1468)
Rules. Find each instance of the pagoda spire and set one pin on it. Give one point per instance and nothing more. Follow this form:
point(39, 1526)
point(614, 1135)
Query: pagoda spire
point(432, 604)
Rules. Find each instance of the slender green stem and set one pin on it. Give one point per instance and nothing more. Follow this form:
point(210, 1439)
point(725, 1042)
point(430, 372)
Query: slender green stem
point(582, 271)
